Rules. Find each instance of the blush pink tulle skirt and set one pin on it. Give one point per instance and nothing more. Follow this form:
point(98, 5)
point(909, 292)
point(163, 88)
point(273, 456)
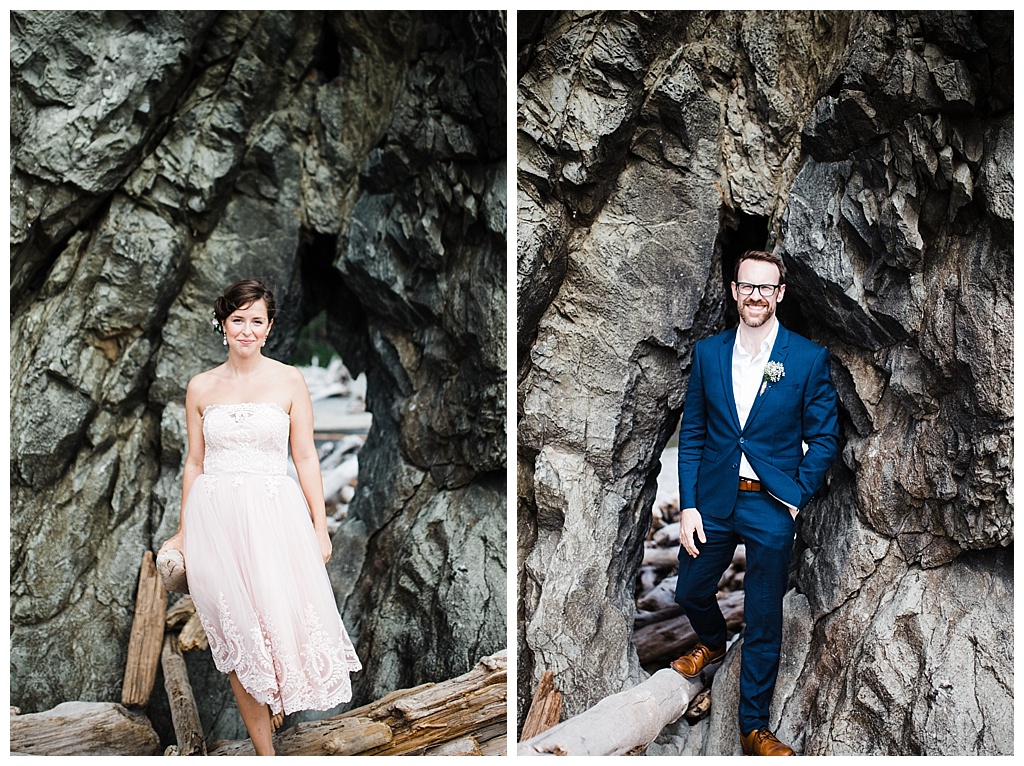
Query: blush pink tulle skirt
point(261, 589)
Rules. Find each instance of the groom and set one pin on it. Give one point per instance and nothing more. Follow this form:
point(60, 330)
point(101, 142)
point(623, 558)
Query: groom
point(759, 430)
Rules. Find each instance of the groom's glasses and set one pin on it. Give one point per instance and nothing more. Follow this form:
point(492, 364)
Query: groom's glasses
point(766, 291)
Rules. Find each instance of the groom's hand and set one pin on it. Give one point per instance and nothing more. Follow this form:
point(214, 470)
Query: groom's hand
point(690, 522)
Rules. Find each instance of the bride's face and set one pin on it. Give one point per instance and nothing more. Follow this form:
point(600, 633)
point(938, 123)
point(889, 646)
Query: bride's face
point(247, 328)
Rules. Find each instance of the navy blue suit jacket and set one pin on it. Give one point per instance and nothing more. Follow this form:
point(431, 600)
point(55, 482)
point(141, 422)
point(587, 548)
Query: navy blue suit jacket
point(801, 406)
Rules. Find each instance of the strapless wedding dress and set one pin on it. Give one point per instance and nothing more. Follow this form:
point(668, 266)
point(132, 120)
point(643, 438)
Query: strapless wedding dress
point(255, 571)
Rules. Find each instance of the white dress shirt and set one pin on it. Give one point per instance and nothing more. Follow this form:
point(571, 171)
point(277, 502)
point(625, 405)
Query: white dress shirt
point(747, 376)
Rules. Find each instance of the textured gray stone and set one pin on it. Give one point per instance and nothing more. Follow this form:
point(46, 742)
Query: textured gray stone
point(873, 151)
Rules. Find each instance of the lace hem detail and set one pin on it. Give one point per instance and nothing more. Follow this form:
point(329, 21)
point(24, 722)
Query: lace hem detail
point(316, 677)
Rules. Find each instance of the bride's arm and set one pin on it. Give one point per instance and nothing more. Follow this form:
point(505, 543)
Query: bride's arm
point(306, 460)
point(193, 460)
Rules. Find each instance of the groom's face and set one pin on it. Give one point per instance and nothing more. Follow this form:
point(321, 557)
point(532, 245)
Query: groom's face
point(756, 309)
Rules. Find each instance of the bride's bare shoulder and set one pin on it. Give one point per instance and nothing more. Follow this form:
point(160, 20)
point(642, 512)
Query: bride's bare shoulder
point(199, 385)
point(289, 375)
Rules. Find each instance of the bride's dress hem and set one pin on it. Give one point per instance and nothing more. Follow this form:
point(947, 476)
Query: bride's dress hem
point(255, 570)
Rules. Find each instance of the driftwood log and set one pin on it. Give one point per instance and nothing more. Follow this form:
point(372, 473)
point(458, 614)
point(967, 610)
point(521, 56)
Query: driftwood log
point(663, 558)
point(193, 636)
point(662, 642)
point(405, 722)
point(623, 723)
point(84, 728)
point(179, 612)
point(465, 746)
point(188, 729)
point(545, 709)
point(147, 636)
point(493, 740)
point(183, 614)
point(350, 736)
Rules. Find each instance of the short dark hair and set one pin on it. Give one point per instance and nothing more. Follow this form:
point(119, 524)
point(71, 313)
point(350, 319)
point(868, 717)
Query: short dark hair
point(241, 294)
point(761, 255)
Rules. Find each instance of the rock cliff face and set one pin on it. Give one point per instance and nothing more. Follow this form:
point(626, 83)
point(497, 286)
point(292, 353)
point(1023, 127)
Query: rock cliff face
point(874, 151)
point(357, 162)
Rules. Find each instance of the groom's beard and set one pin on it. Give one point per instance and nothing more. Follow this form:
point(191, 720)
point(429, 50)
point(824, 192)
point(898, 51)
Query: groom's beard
point(755, 319)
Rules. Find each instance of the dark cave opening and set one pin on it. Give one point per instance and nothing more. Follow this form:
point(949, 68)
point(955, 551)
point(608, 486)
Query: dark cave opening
point(331, 335)
point(328, 54)
point(331, 313)
point(752, 232)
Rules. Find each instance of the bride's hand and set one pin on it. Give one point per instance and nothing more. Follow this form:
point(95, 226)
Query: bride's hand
point(325, 546)
point(172, 542)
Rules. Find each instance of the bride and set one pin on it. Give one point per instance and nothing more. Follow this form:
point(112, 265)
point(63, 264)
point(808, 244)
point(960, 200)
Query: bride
point(255, 543)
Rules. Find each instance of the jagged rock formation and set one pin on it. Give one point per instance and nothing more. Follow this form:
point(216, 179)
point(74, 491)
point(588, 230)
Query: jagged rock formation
point(357, 161)
point(874, 151)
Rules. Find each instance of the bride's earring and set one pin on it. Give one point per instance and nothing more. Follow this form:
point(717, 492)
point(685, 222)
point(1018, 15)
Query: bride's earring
point(225, 340)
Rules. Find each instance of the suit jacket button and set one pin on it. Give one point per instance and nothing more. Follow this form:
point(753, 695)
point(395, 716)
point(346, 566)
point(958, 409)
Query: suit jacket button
point(735, 465)
point(743, 441)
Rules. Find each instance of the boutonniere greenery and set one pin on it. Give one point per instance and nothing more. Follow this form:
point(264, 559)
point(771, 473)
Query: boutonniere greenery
point(773, 373)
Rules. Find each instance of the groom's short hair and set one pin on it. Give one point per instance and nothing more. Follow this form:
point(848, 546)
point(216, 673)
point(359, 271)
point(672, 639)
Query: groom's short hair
point(761, 255)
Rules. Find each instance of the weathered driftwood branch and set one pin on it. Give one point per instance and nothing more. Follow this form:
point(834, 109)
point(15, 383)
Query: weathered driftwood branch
point(493, 739)
point(434, 713)
point(188, 729)
point(147, 636)
point(464, 746)
point(179, 612)
point(193, 636)
point(643, 618)
point(405, 722)
point(622, 723)
point(666, 640)
point(545, 709)
point(350, 736)
point(84, 728)
point(661, 557)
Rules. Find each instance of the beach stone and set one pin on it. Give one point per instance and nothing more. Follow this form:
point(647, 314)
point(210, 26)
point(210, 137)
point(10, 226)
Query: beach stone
point(872, 151)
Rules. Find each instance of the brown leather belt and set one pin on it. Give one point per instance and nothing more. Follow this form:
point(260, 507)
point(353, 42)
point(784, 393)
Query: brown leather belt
point(749, 485)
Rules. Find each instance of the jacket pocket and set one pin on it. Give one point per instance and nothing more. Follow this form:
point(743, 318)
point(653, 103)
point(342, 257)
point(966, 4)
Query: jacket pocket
point(786, 463)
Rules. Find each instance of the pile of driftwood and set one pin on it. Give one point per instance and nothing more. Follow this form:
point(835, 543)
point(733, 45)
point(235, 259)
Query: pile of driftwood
point(339, 469)
point(627, 722)
point(339, 465)
point(461, 716)
point(660, 630)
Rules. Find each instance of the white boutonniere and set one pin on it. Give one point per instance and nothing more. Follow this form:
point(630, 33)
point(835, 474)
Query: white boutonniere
point(773, 373)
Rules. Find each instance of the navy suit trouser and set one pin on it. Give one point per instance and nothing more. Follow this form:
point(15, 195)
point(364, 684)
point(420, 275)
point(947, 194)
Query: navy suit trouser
point(765, 526)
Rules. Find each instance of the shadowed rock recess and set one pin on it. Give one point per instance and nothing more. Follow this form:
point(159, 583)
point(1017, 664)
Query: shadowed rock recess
point(355, 160)
point(874, 151)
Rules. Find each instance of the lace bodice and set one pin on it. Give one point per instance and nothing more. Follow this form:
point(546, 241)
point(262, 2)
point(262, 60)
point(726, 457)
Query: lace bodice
point(247, 438)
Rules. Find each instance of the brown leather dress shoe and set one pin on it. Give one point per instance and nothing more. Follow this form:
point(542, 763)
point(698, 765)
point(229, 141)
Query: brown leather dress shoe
point(763, 742)
point(695, 660)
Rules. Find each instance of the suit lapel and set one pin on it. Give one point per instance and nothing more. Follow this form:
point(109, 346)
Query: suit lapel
point(725, 360)
point(779, 352)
